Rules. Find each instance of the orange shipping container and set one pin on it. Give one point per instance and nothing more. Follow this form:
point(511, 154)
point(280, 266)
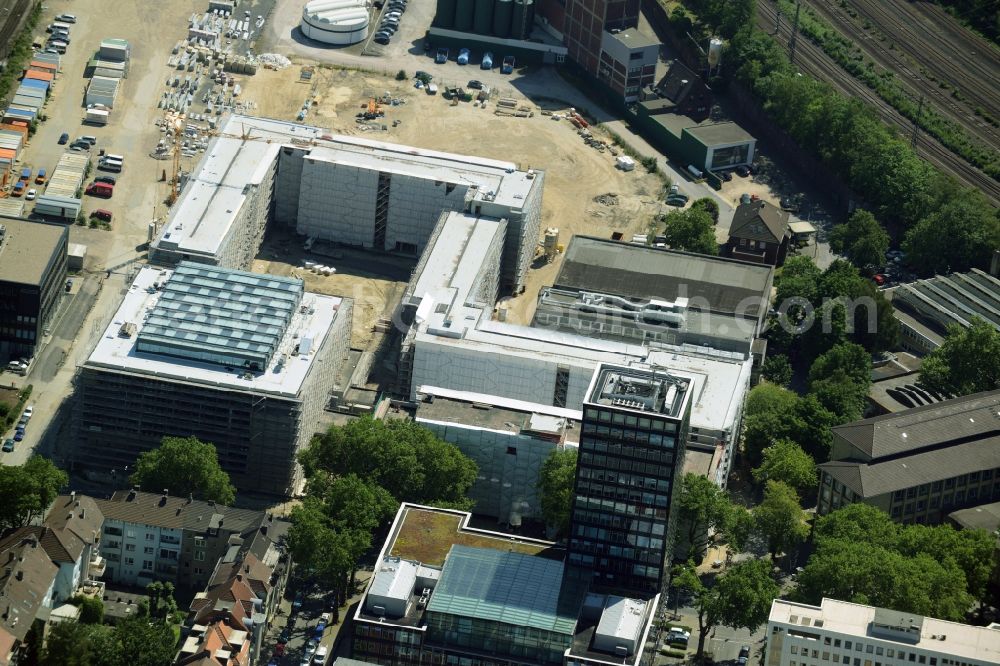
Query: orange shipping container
point(8, 153)
point(17, 128)
point(42, 66)
point(40, 76)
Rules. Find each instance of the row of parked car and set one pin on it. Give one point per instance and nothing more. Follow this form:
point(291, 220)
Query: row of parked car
point(390, 21)
point(19, 430)
point(58, 30)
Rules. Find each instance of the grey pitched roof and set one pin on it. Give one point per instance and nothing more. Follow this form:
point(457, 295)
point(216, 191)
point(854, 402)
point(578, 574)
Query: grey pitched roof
point(177, 512)
point(759, 220)
point(26, 574)
point(878, 478)
point(77, 519)
point(935, 425)
point(982, 517)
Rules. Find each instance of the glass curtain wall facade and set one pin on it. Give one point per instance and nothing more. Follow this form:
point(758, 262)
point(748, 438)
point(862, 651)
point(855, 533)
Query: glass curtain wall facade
point(632, 447)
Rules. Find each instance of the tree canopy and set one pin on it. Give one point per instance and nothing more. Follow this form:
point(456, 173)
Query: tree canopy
point(777, 369)
point(134, 641)
point(357, 475)
point(773, 413)
point(555, 488)
point(401, 456)
point(960, 235)
point(691, 230)
point(786, 461)
point(702, 506)
point(741, 597)
point(184, 466)
point(780, 519)
point(27, 491)
point(863, 556)
point(968, 361)
point(861, 239)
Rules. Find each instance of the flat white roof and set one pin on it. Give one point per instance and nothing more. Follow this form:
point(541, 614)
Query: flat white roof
point(622, 619)
point(716, 382)
point(283, 377)
point(940, 636)
point(247, 146)
point(456, 259)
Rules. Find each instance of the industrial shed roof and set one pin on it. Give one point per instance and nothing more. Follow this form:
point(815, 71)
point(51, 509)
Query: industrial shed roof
point(638, 271)
point(27, 249)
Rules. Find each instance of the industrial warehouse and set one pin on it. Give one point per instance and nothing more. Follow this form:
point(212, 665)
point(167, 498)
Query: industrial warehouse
point(253, 383)
point(368, 194)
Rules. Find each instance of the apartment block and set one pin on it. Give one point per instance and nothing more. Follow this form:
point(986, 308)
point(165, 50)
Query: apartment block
point(632, 446)
point(253, 382)
point(33, 259)
point(838, 632)
point(917, 465)
point(149, 537)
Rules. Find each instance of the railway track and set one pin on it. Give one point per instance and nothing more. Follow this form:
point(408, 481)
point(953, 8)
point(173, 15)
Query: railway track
point(811, 60)
point(940, 46)
point(910, 78)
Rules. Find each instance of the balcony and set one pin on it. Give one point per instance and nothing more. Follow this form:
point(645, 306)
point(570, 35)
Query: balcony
point(97, 566)
point(92, 588)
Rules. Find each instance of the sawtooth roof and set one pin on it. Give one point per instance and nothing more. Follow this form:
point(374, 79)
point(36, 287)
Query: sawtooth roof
point(941, 424)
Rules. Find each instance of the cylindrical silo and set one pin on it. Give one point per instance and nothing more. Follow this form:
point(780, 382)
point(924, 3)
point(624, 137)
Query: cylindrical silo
point(502, 12)
point(482, 20)
point(445, 16)
point(464, 12)
point(520, 24)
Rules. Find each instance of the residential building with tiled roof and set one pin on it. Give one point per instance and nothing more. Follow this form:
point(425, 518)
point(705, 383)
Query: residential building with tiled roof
point(918, 465)
point(239, 600)
point(759, 232)
point(27, 581)
point(149, 536)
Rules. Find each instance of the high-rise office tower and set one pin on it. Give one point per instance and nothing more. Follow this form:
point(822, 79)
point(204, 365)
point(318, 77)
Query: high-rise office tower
point(635, 423)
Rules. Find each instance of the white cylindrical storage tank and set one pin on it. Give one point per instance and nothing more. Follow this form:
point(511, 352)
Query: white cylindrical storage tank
point(335, 21)
point(714, 52)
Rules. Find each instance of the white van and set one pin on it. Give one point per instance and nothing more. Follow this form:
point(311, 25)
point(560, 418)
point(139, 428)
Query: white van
point(115, 158)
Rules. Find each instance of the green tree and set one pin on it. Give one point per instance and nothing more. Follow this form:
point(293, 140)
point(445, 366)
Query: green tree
point(91, 609)
point(785, 461)
point(968, 361)
point(840, 379)
point(960, 235)
point(857, 522)
point(145, 643)
point(403, 457)
point(740, 598)
point(861, 573)
point(777, 370)
point(690, 230)
point(973, 551)
point(770, 414)
point(780, 518)
point(703, 507)
point(185, 466)
point(350, 501)
point(26, 492)
point(708, 205)
point(861, 239)
point(68, 644)
point(555, 488)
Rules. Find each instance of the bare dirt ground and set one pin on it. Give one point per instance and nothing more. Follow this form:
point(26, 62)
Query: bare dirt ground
point(574, 172)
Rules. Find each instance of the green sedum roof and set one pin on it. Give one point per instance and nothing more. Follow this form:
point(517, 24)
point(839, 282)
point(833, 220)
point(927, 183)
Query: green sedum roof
point(508, 587)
